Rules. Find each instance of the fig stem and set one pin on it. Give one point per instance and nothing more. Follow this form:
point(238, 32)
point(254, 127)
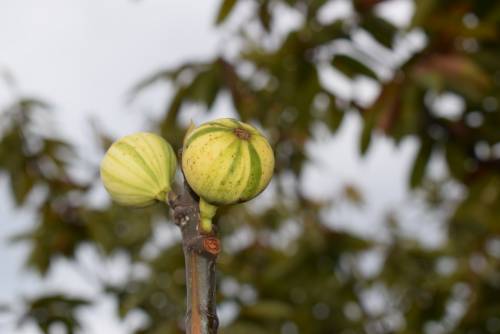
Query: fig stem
point(200, 252)
point(207, 212)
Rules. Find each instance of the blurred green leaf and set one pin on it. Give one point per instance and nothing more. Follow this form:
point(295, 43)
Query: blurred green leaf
point(420, 163)
point(423, 12)
point(352, 67)
point(205, 87)
point(265, 15)
point(21, 185)
point(408, 120)
point(225, 9)
point(366, 137)
point(243, 328)
point(383, 31)
point(54, 309)
point(267, 309)
point(456, 159)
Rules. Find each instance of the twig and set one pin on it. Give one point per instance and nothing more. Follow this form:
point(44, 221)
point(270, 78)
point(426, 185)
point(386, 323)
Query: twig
point(200, 253)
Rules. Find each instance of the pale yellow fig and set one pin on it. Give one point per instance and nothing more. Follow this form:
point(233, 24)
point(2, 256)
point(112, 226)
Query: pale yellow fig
point(226, 161)
point(138, 169)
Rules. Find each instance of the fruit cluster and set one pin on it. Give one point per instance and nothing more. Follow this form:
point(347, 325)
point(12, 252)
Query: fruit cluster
point(224, 161)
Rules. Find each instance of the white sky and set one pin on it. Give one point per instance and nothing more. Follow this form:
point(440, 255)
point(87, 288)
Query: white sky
point(84, 55)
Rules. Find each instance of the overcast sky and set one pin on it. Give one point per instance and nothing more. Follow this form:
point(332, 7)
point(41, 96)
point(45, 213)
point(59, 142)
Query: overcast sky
point(84, 55)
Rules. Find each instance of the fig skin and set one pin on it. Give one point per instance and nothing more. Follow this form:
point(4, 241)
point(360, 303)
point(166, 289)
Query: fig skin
point(225, 161)
point(138, 169)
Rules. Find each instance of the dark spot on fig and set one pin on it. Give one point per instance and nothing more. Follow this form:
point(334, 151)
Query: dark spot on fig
point(242, 133)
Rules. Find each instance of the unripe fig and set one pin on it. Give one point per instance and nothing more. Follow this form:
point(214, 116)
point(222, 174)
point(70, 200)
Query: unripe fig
point(138, 169)
point(226, 161)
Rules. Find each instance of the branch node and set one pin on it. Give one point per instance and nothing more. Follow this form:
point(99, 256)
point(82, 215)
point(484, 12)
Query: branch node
point(211, 245)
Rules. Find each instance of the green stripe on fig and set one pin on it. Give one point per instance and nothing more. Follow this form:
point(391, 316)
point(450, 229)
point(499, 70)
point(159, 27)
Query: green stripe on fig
point(229, 123)
point(216, 165)
point(154, 156)
point(138, 159)
point(169, 152)
point(222, 125)
point(224, 183)
point(138, 201)
point(119, 182)
point(235, 161)
point(202, 132)
point(127, 167)
point(235, 122)
point(255, 173)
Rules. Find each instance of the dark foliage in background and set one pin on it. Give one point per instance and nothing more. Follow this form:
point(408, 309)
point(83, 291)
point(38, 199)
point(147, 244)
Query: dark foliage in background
point(311, 283)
